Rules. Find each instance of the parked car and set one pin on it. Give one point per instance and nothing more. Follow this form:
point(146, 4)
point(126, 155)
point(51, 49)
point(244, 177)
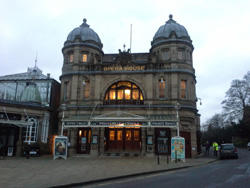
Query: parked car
point(34, 150)
point(248, 146)
point(228, 151)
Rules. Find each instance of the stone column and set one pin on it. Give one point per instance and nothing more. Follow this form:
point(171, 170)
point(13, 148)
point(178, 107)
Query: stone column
point(94, 147)
point(19, 143)
point(73, 141)
point(143, 142)
point(101, 144)
point(151, 148)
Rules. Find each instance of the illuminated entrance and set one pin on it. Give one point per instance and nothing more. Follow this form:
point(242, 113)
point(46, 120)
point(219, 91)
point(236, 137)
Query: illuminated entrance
point(123, 139)
point(84, 137)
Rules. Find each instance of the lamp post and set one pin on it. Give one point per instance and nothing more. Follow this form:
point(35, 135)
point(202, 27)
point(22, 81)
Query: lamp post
point(64, 108)
point(177, 108)
point(199, 99)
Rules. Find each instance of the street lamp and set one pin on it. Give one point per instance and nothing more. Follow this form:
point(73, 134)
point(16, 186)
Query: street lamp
point(64, 108)
point(197, 99)
point(177, 108)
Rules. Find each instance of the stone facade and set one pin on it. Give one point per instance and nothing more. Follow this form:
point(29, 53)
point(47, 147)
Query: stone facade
point(127, 101)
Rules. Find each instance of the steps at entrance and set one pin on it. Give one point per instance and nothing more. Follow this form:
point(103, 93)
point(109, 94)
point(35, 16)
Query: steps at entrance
point(122, 154)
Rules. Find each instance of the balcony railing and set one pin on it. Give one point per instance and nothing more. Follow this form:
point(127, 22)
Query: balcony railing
point(123, 102)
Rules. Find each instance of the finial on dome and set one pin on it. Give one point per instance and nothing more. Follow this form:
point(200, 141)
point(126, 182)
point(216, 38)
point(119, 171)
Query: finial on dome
point(170, 21)
point(84, 24)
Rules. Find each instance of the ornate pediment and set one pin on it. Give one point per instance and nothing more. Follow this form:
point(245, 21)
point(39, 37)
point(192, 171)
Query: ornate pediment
point(124, 57)
point(119, 115)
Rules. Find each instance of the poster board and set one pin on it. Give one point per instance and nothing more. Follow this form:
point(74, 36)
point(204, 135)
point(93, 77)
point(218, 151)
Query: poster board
point(178, 148)
point(10, 152)
point(60, 147)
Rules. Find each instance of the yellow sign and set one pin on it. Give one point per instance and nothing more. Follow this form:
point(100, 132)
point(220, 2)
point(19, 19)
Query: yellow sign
point(127, 68)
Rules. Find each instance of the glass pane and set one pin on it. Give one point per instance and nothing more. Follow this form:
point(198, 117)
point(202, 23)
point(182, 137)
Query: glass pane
point(86, 94)
point(128, 135)
point(134, 86)
point(112, 95)
point(71, 58)
point(161, 85)
point(183, 94)
point(127, 94)
point(183, 84)
point(128, 84)
point(180, 54)
point(87, 85)
point(106, 96)
point(113, 86)
point(141, 97)
point(85, 133)
point(135, 94)
point(161, 94)
point(89, 136)
point(136, 135)
point(120, 94)
point(111, 135)
point(84, 57)
point(165, 55)
point(119, 135)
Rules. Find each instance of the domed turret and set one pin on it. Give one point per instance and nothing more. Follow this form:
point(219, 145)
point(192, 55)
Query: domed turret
point(85, 36)
point(171, 31)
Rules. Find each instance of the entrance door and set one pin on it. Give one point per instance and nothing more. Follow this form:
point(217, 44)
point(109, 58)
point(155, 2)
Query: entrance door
point(84, 137)
point(162, 141)
point(187, 137)
point(132, 139)
point(123, 139)
point(115, 140)
point(8, 138)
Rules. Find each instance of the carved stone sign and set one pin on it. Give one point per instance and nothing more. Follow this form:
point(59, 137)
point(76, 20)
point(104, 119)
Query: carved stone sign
point(126, 68)
point(118, 123)
point(164, 123)
point(70, 123)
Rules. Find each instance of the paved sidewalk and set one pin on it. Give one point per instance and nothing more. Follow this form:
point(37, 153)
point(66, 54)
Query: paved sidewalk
point(43, 171)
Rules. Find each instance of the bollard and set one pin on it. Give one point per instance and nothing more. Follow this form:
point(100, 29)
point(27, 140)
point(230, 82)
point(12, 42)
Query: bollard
point(175, 156)
point(158, 159)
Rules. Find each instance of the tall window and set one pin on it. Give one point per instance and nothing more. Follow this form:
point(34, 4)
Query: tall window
point(45, 128)
point(165, 55)
point(71, 57)
point(123, 93)
point(86, 91)
point(183, 89)
point(162, 88)
point(66, 91)
point(30, 132)
point(180, 54)
point(84, 58)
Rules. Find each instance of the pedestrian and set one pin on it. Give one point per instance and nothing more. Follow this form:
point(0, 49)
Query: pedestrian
point(207, 146)
point(216, 148)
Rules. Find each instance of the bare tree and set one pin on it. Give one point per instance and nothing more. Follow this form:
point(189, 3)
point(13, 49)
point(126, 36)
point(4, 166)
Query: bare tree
point(215, 122)
point(237, 99)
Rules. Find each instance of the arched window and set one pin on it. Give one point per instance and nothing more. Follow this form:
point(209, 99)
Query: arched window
point(123, 93)
point(31, 132)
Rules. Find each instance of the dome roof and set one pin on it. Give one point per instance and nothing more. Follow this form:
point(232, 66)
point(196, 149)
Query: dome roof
point(164, 32)
point(86, 34)
point(31, 93)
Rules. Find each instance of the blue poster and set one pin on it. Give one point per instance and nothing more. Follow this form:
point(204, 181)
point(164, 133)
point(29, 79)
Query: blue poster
point(178, 148)
point(60, 147)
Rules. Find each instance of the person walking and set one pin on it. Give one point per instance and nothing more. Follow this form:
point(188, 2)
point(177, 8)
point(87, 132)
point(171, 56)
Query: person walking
point(207, 146)
point(216, 148)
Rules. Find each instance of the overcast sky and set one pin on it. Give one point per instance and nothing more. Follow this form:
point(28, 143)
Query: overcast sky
point(219, 29)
